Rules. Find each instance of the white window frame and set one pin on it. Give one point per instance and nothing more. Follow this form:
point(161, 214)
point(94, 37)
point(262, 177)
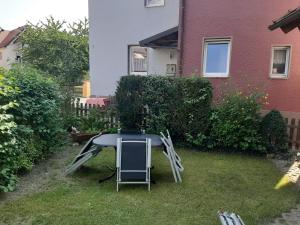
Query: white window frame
point(149, 5)
point(287, 60)
point(130, 61)
point(217, 41)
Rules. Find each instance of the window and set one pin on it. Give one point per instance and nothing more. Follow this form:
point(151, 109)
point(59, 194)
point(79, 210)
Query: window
point(153, 3)
point(216, 57)
point(138, 62)
point(280, 62)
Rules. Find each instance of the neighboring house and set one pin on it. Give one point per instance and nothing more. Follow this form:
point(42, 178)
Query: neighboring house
point(228, 41)
point(131, 37)
point(10, 47)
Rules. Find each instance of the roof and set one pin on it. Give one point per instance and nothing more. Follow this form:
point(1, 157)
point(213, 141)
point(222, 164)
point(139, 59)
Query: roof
point(288, 22)
point(6, 37)
point(165, 39)
point(97, 101)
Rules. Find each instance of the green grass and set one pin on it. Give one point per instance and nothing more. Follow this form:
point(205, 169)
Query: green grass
point(211, 182)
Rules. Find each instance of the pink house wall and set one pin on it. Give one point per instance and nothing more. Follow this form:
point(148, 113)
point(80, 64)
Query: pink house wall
point(246, 22)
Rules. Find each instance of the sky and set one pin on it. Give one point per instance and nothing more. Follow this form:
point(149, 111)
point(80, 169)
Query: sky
point(15, 13)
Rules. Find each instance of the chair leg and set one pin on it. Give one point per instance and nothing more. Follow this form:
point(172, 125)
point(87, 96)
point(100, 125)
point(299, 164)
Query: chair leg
point(117, 186)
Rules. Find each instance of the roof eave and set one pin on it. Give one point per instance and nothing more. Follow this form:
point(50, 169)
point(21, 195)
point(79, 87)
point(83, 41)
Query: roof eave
point(150, 42)
point(287, 22)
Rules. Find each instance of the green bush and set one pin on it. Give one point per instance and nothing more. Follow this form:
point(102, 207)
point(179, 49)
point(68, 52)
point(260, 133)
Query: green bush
point(274, 131)
point(235, 124)
point(161, 99)
point(157, 103)
point(38, 114)
point(8, 149)
point(96, 120)
point(129, 96)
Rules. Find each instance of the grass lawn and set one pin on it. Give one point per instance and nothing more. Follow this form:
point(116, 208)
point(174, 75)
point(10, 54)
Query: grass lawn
point(211, 182)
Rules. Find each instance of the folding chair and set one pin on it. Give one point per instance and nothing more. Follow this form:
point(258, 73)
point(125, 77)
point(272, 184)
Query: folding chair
point(88, 151)
point(230, 219)
point(170, 153)
point(133, 161)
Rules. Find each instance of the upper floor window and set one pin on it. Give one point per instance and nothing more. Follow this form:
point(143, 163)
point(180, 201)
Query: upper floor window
point(138, 60)
point(153, 3)
point(216, 57)
point(280, 61)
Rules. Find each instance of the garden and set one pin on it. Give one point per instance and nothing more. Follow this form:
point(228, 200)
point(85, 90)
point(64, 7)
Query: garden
point(223, 145)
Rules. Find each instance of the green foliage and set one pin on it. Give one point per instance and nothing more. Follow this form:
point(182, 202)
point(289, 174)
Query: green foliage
point(38, 114)
point(274, 131)
point(57, 51)
point(235, 124)
point(60, 51)
point(95, 121)
point(162, 100)
point(8, 149)
point(129, 96)
point(157, 103)
point(179, 104)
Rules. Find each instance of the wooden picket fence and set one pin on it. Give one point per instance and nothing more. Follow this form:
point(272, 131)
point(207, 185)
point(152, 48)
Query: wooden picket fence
point(107, 114)
point(293, 125)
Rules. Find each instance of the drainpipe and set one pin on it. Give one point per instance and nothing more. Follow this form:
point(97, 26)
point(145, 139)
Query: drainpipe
point(180, 38)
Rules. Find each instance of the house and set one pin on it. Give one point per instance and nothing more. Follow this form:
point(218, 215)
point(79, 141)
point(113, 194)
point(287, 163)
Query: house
point(225, 41)
point(10, 46)
point(131, 37)
point(228, 41)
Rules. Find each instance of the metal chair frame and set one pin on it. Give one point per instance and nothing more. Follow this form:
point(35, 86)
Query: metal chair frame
point(147, 181)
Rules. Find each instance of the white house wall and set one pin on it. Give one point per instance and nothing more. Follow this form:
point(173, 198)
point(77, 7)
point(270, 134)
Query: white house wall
point(115, 24)
point(9, 54)
point(159, 58)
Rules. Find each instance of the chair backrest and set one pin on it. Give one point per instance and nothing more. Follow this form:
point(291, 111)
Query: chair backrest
point(133, 158)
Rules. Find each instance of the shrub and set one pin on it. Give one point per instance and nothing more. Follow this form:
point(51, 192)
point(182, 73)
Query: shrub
point(161, 97)
point(38, 114)
point(8, 149)
point(129, 95)
point(181, 105)
point(96, 120)
point(196, 107)
point(274, 131)
point(236, 123)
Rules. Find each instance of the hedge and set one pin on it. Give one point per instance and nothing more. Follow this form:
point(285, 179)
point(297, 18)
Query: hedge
point(30, 119)
point(157, 103)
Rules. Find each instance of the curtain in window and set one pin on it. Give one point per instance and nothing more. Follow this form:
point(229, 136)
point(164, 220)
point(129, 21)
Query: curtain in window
point(279, 61)
point(138, 59)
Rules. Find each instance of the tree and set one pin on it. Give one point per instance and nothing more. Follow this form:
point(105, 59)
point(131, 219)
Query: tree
point(61, 51)
point(58, 49)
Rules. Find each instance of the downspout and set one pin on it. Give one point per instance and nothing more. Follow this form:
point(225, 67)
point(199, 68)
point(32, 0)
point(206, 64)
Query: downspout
point(180, 38)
